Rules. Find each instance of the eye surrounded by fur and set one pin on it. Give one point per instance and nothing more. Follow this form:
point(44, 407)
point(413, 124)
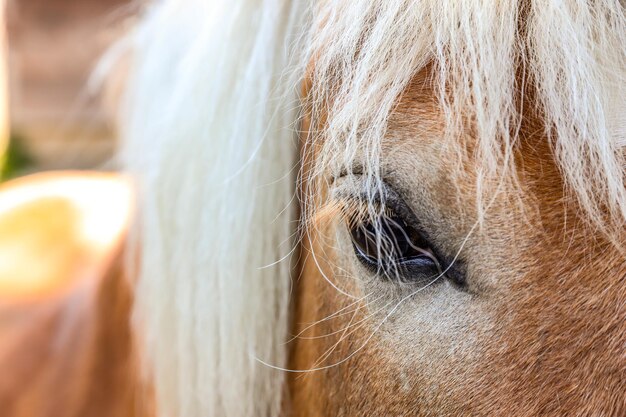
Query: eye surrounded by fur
point(393, 249)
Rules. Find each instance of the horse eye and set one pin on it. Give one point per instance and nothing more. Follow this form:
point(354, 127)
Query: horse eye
point(392, 247)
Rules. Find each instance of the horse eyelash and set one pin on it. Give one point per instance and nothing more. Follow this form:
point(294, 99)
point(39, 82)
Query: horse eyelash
point(354, 212)
point(351, 210)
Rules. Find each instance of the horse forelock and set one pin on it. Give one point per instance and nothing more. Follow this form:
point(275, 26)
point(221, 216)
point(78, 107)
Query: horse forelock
point(484, 57)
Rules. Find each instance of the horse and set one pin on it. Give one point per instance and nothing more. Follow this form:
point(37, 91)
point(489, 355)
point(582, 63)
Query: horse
point(381, 208)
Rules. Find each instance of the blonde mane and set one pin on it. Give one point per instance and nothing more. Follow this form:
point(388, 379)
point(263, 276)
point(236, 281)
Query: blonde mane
point(209, 132)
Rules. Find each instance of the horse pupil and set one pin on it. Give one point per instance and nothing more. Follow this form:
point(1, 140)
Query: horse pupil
point(396, 240)
point(398, 237)
point(364, 238)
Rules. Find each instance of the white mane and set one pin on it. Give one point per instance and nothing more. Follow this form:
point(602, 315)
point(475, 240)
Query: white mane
point(209, 134)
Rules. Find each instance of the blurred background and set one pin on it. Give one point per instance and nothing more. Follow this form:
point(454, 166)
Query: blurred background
point(59, 116)
point(63, 209)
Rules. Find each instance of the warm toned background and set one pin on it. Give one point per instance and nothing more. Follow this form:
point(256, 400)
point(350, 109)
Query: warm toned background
point(64, 333)
point(54, 46)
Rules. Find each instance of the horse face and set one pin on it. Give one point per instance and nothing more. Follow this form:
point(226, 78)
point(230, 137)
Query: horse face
point(515, 309)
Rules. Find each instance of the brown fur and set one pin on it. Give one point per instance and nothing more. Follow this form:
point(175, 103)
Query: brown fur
point(547, 307)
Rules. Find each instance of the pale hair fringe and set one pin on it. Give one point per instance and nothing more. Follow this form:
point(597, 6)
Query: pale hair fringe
point(213, 165)
point(367, 52)
point(208, 133)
